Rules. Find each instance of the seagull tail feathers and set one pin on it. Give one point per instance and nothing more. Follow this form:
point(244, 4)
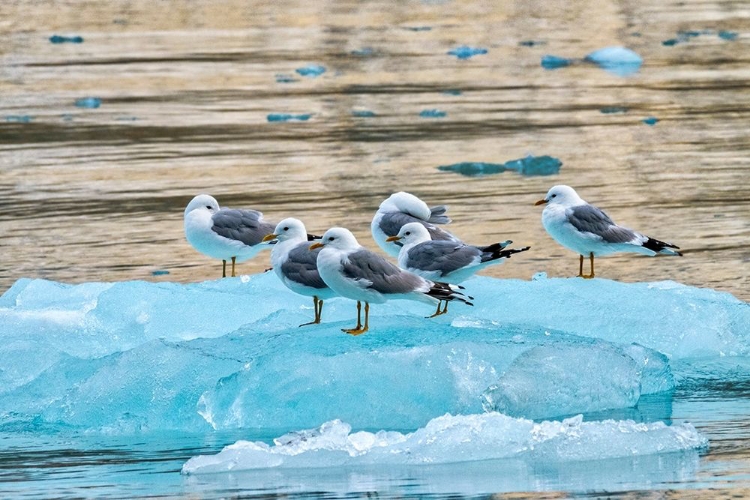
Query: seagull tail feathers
point(661, 247)
point(498, 251)
point(446, 291)
point(437, 215)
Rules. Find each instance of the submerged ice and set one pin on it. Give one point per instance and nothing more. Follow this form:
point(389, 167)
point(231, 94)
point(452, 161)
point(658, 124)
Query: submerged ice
point(450, 439)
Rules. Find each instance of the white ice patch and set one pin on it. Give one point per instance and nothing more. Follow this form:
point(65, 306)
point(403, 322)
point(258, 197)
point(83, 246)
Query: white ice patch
point(452, 439)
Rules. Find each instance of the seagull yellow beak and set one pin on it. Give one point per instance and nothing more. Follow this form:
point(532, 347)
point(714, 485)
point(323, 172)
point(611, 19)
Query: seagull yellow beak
point(393, 238)
point(541, 202)
point(316, 245)
point(270, 237)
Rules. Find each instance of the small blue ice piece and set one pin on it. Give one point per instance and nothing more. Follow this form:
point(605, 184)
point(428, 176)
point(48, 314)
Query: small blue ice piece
point(609, 110)
point(688, 33)
point(18, 118)
point(66, 117)
point(650, 120)
point(285, 117)
point(363, 113)
point(618, 60)
point(728, 35)
point(281, 78)
point(159, 272)
point(466, 52)
point(88, 102)
point(671, 42)
point(65, 39)
point(474, 168)
point(311, 70)
point(363, 52)
point(535, 165)
point(530, 43)
point(433, 113)
point(126, 118)
point(541, 275)
point(554, 62)
point(451, 92)
point(418, 28)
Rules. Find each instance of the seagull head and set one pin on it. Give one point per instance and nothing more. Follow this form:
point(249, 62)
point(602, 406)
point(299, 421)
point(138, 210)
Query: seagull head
point(561, 195)
point(337, 237)
point(411, 234)
point(203, 202)
point(288, 229)
point(406, 203)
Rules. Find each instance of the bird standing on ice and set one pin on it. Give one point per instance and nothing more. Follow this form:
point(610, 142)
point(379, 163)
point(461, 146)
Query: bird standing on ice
point(587, 230)
point(296, 265)
point(448, 261)
point(224, 233)
point(356, 273)
point(402, 208)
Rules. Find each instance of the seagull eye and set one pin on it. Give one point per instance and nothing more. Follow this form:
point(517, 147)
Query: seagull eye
point(286, 228)
point(330, 238)
point(208, 207)
point(408, 233)
point(553, 196)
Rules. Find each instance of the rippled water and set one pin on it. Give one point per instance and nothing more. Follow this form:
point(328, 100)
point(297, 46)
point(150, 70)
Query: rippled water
point(186, 88)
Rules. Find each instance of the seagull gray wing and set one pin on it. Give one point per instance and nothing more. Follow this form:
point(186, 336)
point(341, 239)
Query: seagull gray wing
point(391, 223)
point(589, 219)
point(246, 226)
point(376, 273)
point(301, 266)
point(442, 256)
point(438, 216)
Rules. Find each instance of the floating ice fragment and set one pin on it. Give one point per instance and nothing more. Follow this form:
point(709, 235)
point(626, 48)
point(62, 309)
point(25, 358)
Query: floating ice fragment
point(454, 439)
point(311, 70)
point(363, 52)
point(650, 120)
point(88, 102)
point(281, 78)
point(363, 113)
point(555, 62)
point(618, 60)
point(56, 39)
point(466, 52)
point(613, 109)
point(530, 166)
point(159, 272)
point(531, 43)
point(728, 35)
point(451, 92)
point(285, 117)
point(433, 113)
point(18, 118)
point(539, 276)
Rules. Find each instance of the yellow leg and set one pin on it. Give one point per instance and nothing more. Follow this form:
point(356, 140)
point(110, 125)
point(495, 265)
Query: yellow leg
point(233, 261)
point(224, 269)
point(445, 309)
point(316, 321)
point(438, 312)
point(589, 276)
point(580, 267)
point(360, 329)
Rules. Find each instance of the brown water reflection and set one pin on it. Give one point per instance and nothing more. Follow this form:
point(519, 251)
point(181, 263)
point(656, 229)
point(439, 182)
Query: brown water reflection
point(98, 194)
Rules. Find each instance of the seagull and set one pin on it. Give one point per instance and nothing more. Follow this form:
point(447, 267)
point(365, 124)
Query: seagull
point(585, 229)
point(356, 273)
point(295, 264)
point(401, 208)
point(447, 261)
point(224, 233)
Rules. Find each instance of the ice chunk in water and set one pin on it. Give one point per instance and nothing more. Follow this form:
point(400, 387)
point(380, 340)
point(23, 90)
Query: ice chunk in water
point(618, 60)
point(88, 102)
point(466, 52)
point(433, 113)
point(451, 439)
point(530, 165)
point(57, 39)
point(311, 70)
point(286, 117)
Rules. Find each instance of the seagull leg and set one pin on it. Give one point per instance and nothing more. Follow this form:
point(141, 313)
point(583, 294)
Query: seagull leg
point(591, 256)
point(438, 312)
point(445, 309)
point(580, 268)
point(361, 329)
point(233, 260)
point(224, 269)
point(316, 321)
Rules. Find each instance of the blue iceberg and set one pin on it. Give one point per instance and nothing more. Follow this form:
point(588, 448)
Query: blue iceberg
point(651, 120)
point(227, 354)
point(364, 113)
point(18, 118)
point(555, 62)
point(433, 113)
point(466, 52)
point(311, 70)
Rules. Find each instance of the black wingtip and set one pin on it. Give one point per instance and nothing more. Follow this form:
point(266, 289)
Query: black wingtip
point(313, 237)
